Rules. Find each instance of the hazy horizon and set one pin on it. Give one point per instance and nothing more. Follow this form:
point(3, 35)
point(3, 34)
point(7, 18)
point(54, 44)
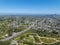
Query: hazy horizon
point(29, 6)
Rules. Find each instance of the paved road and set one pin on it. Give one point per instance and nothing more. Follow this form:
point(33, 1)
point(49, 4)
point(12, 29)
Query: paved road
point(16, 34)
point(22, 32)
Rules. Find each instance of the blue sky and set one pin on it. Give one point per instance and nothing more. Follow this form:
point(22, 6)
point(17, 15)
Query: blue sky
point(30, 6)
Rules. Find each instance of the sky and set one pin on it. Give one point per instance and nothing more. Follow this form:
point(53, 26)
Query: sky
point(30, 6)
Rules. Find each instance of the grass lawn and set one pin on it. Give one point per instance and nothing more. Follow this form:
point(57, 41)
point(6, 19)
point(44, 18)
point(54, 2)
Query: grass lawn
point(28, 39)
point(58, 38)
point(48, 41)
